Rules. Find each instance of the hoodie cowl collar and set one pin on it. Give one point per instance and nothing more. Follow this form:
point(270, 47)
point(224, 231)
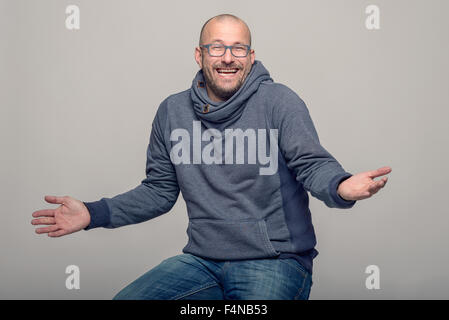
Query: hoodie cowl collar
point(213, 113)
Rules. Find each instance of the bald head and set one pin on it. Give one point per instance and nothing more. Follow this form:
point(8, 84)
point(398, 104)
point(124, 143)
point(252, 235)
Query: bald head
point(206, 31)
point(233, 32)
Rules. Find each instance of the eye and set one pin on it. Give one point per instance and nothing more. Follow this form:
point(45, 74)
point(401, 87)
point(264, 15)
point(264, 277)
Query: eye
point(239, 48)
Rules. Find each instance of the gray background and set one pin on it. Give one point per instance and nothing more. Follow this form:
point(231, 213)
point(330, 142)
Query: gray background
point(77, 107)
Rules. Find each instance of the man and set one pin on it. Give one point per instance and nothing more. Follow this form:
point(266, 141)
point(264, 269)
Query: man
point(244, 152)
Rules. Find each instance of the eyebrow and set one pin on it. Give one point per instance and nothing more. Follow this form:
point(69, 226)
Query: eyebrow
point(221, 41)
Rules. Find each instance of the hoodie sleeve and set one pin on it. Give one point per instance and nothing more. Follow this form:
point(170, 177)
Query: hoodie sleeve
point(155, 195)
point(317, 170)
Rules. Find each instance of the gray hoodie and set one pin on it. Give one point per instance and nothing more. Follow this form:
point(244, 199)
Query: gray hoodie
point(244, 167)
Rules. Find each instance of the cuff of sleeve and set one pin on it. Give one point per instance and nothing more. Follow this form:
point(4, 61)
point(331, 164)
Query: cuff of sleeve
point(99, 214)
point(341, 203)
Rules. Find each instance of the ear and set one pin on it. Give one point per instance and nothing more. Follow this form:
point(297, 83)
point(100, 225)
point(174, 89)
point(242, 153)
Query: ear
point(252, 56)
point(198, 57)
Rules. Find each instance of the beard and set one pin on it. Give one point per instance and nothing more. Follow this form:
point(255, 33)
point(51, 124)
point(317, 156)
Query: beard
point(224, 92)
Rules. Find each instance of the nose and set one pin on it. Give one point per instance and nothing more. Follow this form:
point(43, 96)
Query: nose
point(227, 57)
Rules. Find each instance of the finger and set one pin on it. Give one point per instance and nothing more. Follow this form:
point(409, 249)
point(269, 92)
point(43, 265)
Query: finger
point(379, 172)
point(47, 229)
point(44, 213)
point(57, 233)
point(372, 189)
point(376, 186)
point(49, 220)
point(55, 199)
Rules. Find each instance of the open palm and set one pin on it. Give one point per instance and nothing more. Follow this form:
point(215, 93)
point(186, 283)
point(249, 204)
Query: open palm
point(71, 216)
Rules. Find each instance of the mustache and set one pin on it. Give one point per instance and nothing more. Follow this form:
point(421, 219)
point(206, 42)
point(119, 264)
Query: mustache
point(227, 66)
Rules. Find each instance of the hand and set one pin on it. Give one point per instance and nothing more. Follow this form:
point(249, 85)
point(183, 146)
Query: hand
point(362, 185)
point(70, 217)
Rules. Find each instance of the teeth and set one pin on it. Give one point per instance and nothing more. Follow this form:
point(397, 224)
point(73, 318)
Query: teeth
point(227, 70)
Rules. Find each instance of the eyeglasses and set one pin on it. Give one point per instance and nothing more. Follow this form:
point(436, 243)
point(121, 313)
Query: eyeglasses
point(218, 50)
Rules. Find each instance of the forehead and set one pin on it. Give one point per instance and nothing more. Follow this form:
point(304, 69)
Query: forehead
point(226, 31)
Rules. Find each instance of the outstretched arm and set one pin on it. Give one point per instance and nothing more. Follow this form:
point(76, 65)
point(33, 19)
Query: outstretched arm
point(156, 195)
point(318, 171)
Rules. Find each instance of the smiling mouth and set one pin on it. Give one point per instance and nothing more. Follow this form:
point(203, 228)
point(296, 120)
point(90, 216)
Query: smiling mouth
point(227, 72)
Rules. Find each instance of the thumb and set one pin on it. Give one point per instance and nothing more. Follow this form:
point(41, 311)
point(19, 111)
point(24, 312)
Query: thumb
point(379, 172)
point(55, 199)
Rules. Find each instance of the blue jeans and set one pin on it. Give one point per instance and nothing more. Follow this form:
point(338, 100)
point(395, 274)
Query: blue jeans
point(188, 277)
